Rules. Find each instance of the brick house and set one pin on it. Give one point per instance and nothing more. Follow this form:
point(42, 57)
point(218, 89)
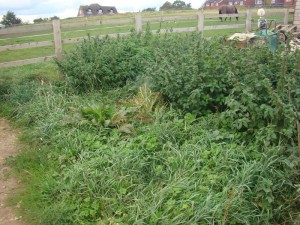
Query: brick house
point(289, 3)
point(249, 3)
point(95, 10)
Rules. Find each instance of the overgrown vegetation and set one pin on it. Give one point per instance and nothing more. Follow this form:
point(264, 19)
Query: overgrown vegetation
point(161, 129)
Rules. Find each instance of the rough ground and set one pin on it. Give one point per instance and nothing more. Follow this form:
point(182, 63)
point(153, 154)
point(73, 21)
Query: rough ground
point(8, 184)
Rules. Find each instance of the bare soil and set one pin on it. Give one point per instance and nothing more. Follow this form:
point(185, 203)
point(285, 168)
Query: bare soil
point(8, 184)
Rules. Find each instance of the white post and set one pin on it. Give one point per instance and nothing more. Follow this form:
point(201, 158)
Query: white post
point(57, 39)
point(248, 21)
point(138, 22)
point(286, 16)
point(201, 22)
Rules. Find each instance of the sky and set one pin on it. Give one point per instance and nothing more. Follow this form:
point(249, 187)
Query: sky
point(28, 10)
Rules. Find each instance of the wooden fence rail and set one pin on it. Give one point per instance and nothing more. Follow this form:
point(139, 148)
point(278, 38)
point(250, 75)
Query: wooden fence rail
point(137, 21)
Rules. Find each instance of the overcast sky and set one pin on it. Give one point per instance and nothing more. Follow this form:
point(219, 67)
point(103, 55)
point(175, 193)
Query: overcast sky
point(28, 10)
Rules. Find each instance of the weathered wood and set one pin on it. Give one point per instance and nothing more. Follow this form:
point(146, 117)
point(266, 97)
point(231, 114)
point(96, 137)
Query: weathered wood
point(138, 23)
point(274, 14)
point(286, 16)
point(26, 45)
point(176, 30)
point(216, 27)
point(98, 22)
point(57, 39)
point(212, 16)
point(25, 29)
point(26, 61)
point(170, 18)
point(76, 40)
point(200, 22)
point(248, 21)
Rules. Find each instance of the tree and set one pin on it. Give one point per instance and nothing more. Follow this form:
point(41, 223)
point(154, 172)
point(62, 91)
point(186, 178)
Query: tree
point(149, 10)
point(54, 18)
point(177, 5)
point(166, 6)
point(10, 19)
point(40, 20)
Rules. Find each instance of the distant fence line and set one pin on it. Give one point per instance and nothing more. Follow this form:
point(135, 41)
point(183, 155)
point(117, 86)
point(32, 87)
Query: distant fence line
point(137, 21)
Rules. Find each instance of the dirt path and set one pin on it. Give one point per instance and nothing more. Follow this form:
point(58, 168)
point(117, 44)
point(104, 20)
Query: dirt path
point(8, 185)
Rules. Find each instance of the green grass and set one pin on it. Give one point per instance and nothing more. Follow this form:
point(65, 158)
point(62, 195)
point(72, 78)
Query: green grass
point(8, 56)
point(41, 71)
point(128, 156)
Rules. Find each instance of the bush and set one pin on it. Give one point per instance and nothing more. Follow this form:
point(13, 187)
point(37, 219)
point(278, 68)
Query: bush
point(105, 63)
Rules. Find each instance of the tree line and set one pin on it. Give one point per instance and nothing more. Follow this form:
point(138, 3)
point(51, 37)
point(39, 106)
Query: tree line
point(176, 5)
point(10, 19)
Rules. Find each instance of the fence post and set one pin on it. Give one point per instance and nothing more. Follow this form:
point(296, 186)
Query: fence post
point(248, 21)
point(286, 16)
point(57, 39)
point(201, 22)
point(138, 22)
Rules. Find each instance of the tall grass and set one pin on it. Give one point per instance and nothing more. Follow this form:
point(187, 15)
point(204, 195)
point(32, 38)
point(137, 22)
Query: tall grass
point(116, 152)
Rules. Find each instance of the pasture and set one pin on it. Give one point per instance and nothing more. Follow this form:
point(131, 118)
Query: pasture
point(164, 128)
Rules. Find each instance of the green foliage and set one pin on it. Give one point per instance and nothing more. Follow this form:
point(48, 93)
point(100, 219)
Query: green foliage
point(222, 152)
point(105, 63)
point(194, 76)
point(149, 9)
point(10, 19)
point(265, 99)
point(176, 5)
point(43, 20)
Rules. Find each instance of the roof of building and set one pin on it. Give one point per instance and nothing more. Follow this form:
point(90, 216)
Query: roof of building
point(93, 9)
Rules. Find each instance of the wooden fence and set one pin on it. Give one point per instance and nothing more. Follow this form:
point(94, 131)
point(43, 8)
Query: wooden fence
point(137, 21)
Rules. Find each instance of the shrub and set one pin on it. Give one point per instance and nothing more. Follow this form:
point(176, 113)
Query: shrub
point(105, 63)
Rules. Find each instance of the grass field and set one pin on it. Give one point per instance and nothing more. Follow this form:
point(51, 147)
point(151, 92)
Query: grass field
point(157, 129)
point(47, 35)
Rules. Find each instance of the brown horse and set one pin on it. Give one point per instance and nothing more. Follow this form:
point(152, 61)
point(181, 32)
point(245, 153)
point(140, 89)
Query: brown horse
point(228, 9)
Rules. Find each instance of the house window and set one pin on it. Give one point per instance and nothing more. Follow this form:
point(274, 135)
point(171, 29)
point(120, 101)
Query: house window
point(287, 0)
point(273, 1)
point(259, 2)
point(230, 3)
point(89, 11)
point(207, 4)
point(241, 3)
point(217, 4)
point(100, 11)
point(111, 11)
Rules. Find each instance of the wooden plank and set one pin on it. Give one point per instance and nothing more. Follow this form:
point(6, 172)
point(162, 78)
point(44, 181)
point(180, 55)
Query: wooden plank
point(57, 39)
point(176, 30)
point(25, 29)
point(26, 45)
point(248, 21)
point(200, 26)
point(79, 39)
point(170, 18)
point(275, 14)
point(212, 16)
point(286, 16)
point(216, 27)
point(98, 22)
point(26, 61)
point(138, 23)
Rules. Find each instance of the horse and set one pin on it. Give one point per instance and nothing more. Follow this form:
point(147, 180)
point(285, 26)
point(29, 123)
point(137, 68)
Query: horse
point(228, 9)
